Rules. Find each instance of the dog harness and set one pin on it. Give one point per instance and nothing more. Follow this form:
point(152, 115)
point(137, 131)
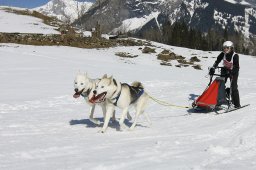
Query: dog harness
point(117, 97)
point(136, 92)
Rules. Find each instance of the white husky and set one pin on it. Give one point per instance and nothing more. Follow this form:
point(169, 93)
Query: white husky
point(121, 95)
point(84, 87)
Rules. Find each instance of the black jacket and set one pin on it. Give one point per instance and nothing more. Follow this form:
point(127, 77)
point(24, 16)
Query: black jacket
point(235, 69)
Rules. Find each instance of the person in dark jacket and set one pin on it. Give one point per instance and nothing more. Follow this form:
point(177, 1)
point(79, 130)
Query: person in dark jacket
point(230, 69)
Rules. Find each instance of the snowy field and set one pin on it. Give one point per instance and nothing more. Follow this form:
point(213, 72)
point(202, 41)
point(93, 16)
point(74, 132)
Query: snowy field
point(44, 127)
point(11, 22)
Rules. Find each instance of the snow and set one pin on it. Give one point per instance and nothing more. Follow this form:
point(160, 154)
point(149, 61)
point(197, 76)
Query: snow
point(231, 1)
point(194, 5)
point(135, 23)
point(87, 33)
point(241, 23)
point(11, 23)
point(43, 127)
point(244, 3)
point(65, 10)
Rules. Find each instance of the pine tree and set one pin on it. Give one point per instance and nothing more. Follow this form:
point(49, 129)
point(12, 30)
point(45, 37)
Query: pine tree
point(179, 34)
point(225, 34)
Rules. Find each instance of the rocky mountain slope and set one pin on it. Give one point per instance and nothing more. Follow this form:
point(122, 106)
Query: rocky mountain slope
point(133, 15)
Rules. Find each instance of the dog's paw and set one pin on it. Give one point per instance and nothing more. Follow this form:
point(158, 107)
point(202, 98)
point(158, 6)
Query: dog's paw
point(102, 131)
point(122, 127)
point(131, 129)
point(150, 124)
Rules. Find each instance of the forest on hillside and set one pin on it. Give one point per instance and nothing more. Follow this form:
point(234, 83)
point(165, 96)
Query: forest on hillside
point(179, 34)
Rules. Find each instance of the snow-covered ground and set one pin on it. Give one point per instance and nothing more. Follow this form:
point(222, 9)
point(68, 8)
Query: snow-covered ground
point(44, 127)
point(11, 22)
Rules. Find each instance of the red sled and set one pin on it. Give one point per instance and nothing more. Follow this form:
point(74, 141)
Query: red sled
point(214, 95)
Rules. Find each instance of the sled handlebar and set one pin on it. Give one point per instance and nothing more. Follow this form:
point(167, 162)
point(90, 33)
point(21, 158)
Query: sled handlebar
point(221, 75)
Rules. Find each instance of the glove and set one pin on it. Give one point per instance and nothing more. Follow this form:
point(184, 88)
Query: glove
point(211, 70)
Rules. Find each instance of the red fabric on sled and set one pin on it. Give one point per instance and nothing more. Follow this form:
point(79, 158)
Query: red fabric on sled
point(209, 96)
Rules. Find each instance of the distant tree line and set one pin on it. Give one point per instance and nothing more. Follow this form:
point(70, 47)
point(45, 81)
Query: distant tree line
point(179, 34)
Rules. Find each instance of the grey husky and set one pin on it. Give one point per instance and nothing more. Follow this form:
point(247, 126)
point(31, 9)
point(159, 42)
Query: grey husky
point(122, 95)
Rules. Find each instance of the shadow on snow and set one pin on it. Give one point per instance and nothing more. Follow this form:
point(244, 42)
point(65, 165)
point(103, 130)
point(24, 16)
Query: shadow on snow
point(112, 124)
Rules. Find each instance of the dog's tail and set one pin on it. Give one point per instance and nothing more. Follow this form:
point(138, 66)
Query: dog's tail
point(137, 84)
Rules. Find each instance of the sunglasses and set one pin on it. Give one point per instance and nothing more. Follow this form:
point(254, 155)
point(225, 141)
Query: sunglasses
point(226, 47)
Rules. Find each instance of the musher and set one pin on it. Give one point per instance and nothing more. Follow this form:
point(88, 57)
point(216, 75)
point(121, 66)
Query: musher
point(230, 69)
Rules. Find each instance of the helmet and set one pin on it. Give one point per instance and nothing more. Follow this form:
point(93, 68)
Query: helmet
point(228, 44)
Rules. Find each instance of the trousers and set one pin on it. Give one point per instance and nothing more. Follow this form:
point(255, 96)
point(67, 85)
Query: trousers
point(234, 87)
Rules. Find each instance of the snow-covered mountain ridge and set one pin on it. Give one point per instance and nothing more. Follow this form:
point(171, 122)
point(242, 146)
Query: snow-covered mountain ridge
point(64, 10)
point(136, 15)
point(200, 14)
point(126, 15)
point(218, 15)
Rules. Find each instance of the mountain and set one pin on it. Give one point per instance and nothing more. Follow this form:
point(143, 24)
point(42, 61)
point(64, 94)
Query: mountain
point(220, 15)
point(65, 10)
point(124, 15)
point(121, 16)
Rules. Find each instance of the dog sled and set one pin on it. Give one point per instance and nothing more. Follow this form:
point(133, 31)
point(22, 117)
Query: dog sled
point(216, 97)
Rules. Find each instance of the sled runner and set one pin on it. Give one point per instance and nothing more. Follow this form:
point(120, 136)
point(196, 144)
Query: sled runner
point(232, 109)
point(216, 97)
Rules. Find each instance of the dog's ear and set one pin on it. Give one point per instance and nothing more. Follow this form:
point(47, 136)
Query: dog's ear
point(105, 76)
point(110, 79)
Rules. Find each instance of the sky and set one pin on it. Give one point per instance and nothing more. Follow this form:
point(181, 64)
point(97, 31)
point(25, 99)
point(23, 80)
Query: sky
point(26, 3)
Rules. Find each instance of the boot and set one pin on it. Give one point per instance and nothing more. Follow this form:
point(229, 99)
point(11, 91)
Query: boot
point(236, 99)
point(227, 93)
